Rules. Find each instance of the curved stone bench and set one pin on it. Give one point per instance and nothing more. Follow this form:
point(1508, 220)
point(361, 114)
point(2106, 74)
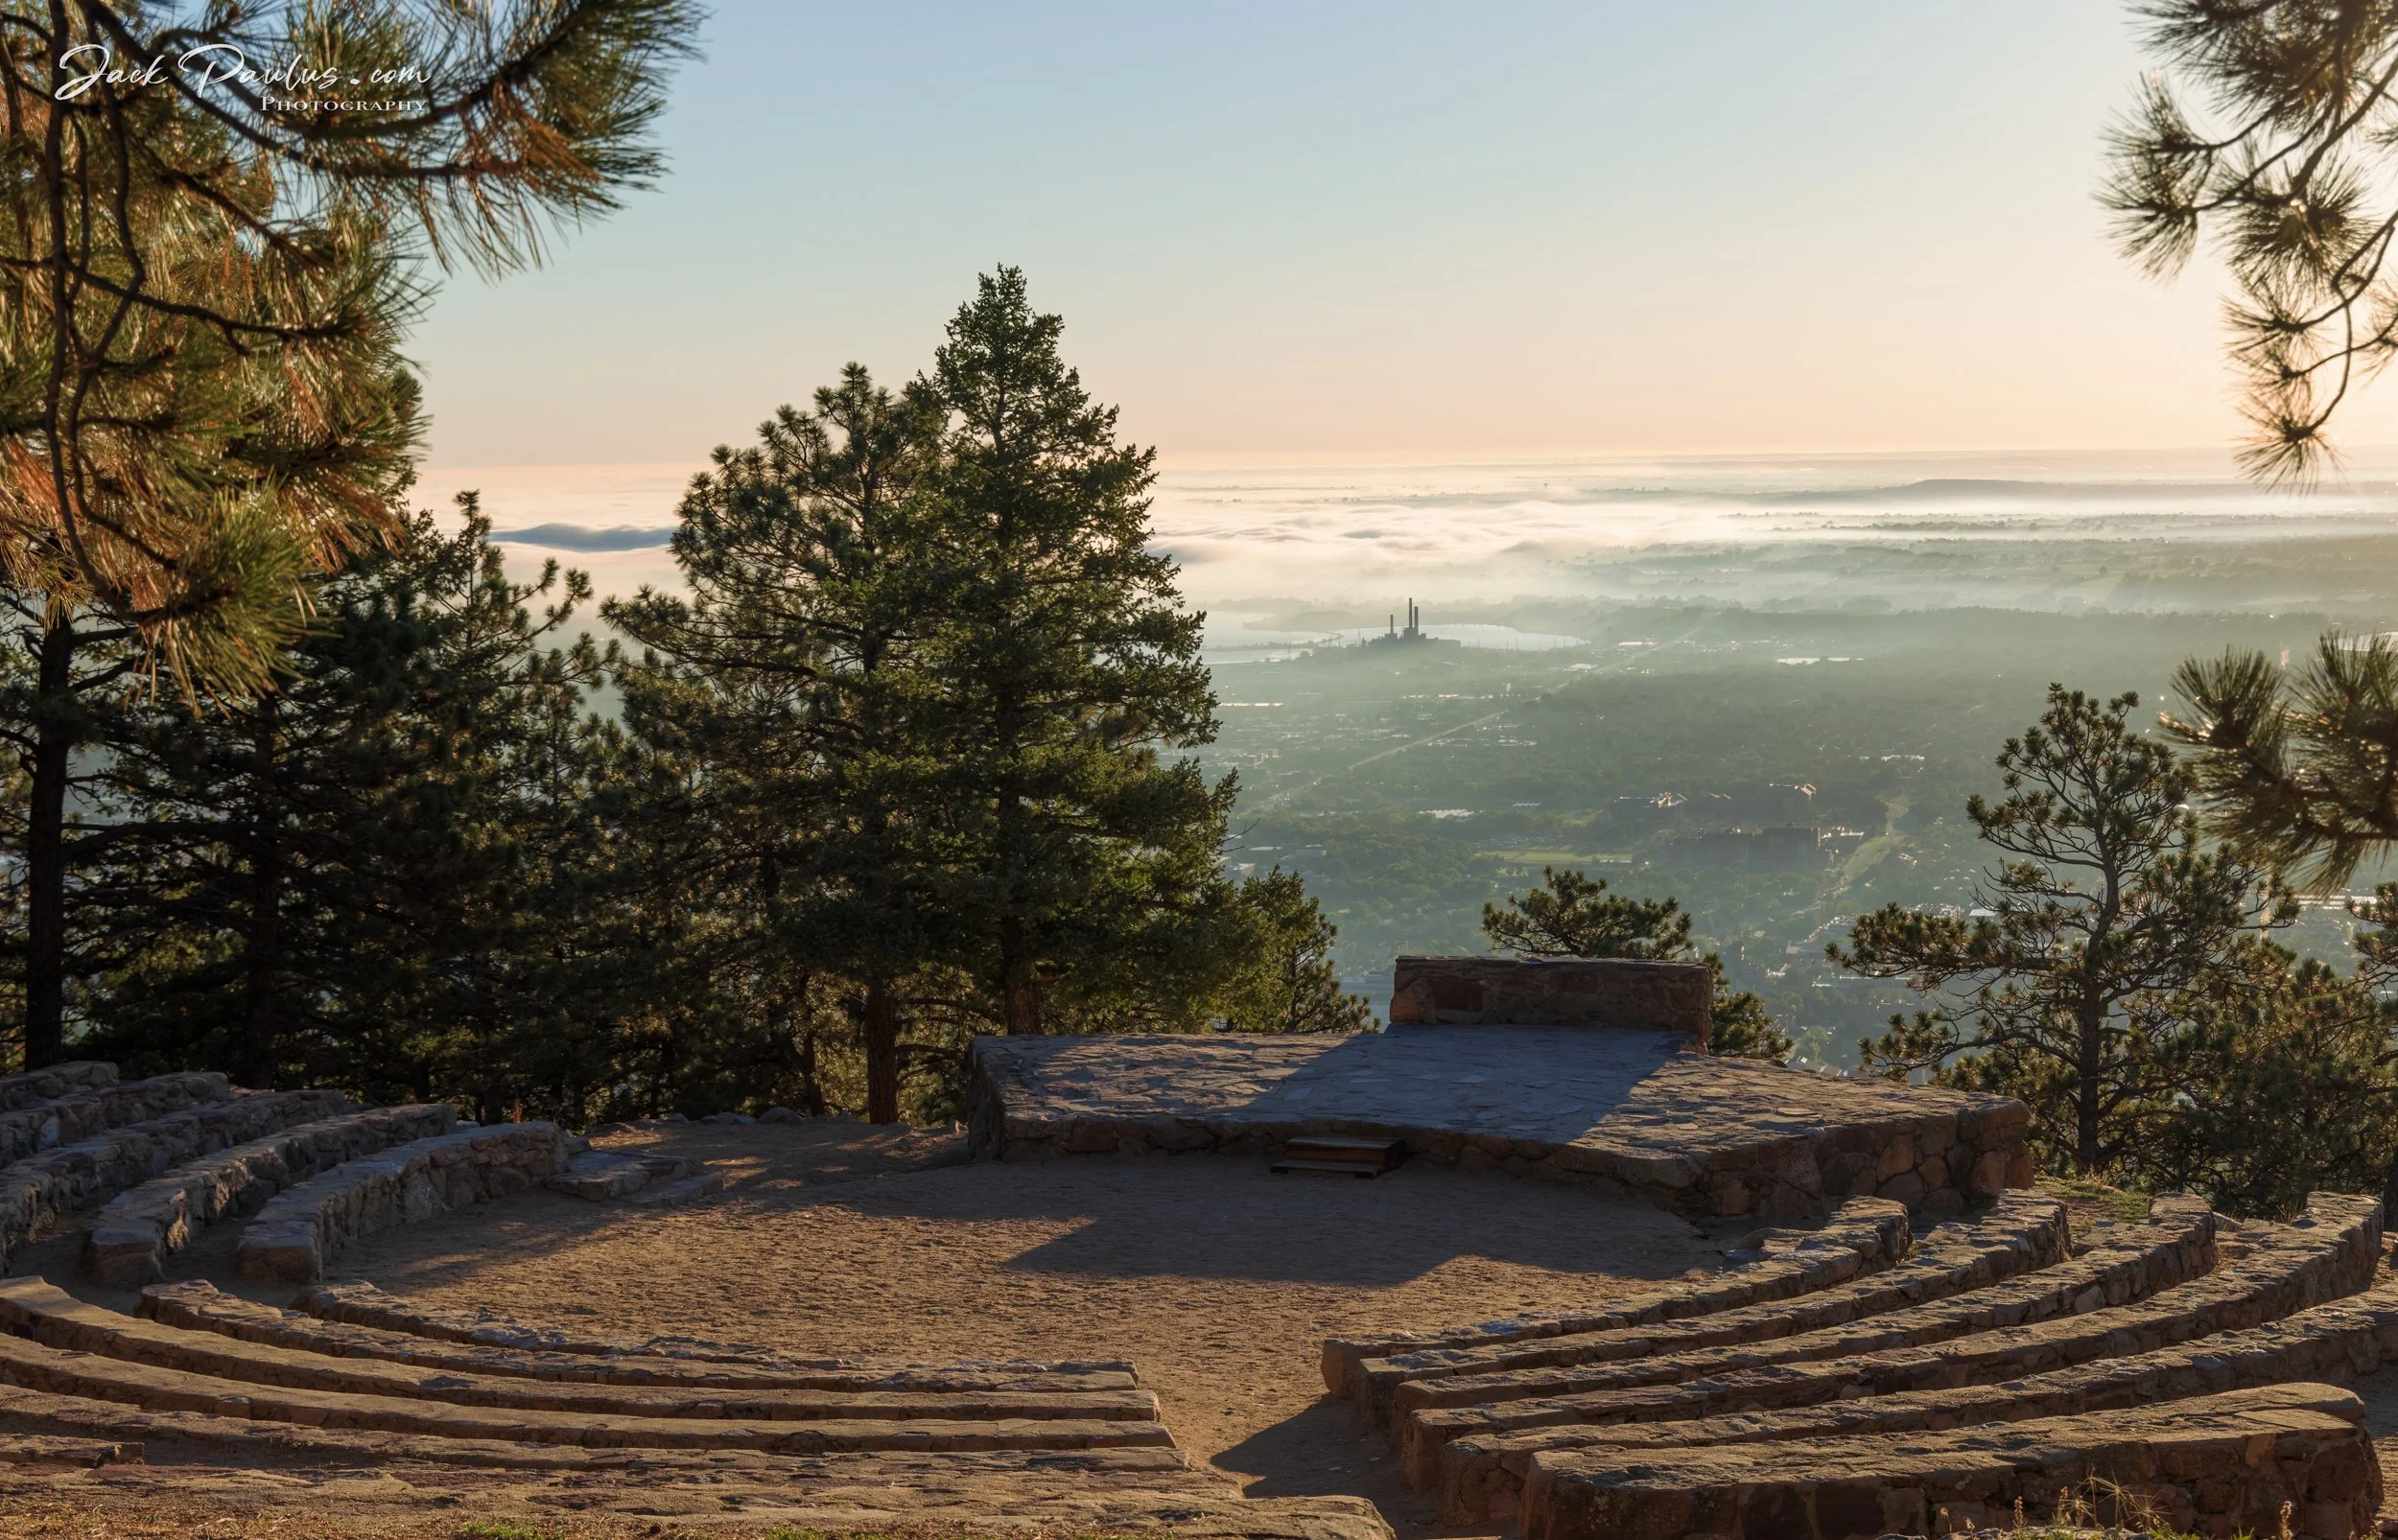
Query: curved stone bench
point(1863, 1235)
point(301, 1228)
point(196, 1306)
point(1481, 1478)
point(2218, 1465)
point(1106, 1490)
point(2011, 1240)
point(2287, 1268)
point(32, 1308)
point(39, 1366)
point(2129, 1262)
point(84, 1115)
point(36, 1190)
point(129, 1242)
point(38, 1085)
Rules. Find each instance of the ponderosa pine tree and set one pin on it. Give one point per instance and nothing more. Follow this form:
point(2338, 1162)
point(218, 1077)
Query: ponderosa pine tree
point(204, 277)
point(1079, 858)
point(2109, 928)
point(1286, 981)
point(794, 667)
point(2292, 177)
point(367, 874)
point(1571, 915)
point(68, 680)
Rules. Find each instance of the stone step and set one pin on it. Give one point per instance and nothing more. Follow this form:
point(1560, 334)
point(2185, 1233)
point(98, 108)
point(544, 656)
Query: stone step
point(38, 1085)
point(130, 1241)
point(304, 1227)
point(1481, 1478)
point(2217, 1465)
point(197, 1306)
point(38, 1190)
point(1290, 1164)
point(88, 1114)
point(681, 1190)
point(597, 1175)
point(2133, 1261)
point(1863, 1235)
point(1951, 1260)
point(35, 1310)
point(2287, 1268)
point(37, 1367)
point(237, 1435)
point(1360, 1154)
point(363, 1305)
point(1091, 1491)
point(53, 1448)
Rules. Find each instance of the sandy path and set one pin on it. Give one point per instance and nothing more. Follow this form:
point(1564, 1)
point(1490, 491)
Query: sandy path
point(1217, 1278)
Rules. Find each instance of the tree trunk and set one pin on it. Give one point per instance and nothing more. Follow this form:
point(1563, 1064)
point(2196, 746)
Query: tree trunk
point(2085, 1146)
point(1019, 991)
point(263, 944)
point(881, 1054)
point(45, 850)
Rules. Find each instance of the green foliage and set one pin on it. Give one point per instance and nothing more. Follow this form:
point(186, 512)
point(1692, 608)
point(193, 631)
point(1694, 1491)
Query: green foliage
point(1063, 671)
point(2300, 768)
point(2121, 985)
point(203, 288)
point(2291, 179)
point(1571, 915)
point(373, 875)
point(1286, 981)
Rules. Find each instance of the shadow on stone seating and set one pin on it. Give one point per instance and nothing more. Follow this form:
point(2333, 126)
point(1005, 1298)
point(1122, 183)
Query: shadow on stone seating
point(1328, 1450)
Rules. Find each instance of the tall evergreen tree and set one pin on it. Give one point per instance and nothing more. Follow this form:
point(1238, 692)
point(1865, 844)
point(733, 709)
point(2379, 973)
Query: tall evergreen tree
point(796, 664)
point(2109, 926)
point(365, 874)
point(1066, 671)
point(68, 678)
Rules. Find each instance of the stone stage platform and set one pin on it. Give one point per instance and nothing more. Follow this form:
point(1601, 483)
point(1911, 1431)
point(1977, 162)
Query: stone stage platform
point(1629, 1109)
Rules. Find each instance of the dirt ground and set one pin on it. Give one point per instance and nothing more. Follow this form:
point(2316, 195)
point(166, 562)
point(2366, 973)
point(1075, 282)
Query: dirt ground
point(1217, 1279)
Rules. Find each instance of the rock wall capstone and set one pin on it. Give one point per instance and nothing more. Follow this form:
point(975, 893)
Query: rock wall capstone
point(1561, 992)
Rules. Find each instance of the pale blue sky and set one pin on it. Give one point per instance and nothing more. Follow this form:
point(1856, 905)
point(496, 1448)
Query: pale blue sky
point(1393, 229)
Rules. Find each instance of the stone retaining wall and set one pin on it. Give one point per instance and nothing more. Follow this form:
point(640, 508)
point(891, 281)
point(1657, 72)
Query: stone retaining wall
point(136, 1231)
point(1704, 1137)
point(2217, 1466)
point(84, 1115)
point(35, 1191)
point(1571, 991)
point(36, 1086)
point(302, 1227)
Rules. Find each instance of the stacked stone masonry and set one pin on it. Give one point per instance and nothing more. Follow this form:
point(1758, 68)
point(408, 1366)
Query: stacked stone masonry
point(1072, 1445)
point(1566, 991)
point(129, 1242)
point(359, 1378)
point(1950, 1378)
point(36, 1190)
point(87, 1115)
point(1631, 1114)
point(54, 1084)
point(302, 1227)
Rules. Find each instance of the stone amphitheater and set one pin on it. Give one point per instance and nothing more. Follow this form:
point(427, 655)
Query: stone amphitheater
point(1917, 1343)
